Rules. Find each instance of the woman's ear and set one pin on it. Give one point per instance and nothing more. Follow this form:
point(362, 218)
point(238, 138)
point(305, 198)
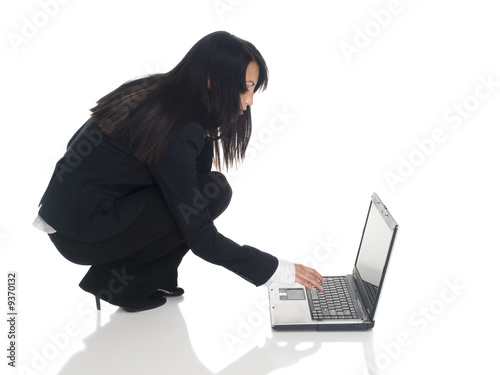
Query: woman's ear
point(208, 83)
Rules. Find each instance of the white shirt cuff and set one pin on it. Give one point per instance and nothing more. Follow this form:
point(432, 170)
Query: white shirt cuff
point(285, 273)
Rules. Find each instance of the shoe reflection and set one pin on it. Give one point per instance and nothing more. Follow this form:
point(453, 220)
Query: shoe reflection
point(158, 340)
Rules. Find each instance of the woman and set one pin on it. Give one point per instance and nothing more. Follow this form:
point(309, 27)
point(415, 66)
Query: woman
point(134, 190)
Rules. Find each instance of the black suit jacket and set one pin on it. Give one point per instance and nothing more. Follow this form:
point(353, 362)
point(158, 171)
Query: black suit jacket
point(92, 196)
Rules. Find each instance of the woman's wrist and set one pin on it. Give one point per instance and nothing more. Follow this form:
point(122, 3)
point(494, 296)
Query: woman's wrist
point(285, 273)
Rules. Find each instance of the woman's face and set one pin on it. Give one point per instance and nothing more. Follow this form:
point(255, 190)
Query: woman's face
point(251, 80)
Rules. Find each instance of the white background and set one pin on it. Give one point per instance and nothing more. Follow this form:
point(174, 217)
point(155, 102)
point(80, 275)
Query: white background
point(327, 132)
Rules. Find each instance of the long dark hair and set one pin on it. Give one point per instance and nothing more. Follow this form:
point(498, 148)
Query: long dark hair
point(150, 110)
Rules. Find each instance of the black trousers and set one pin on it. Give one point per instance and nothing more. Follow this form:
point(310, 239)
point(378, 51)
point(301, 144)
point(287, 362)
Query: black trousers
point(130, 267)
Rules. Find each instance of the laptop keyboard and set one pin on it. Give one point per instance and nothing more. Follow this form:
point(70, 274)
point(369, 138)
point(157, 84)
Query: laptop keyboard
point(371, 290)
point(334, 302)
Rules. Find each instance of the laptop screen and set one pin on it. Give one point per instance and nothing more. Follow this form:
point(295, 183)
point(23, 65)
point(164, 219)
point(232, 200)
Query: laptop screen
point(373, 255)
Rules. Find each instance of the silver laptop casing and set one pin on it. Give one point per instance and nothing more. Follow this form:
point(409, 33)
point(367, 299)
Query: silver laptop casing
point(295, 315)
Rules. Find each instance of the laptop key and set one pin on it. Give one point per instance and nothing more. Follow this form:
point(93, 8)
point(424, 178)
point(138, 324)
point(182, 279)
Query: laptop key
point(333, 302)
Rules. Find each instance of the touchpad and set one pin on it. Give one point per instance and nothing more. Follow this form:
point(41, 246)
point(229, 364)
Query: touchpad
point(292, 294)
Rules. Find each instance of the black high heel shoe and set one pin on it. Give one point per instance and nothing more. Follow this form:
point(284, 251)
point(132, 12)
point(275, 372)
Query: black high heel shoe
point(155, 300)
point(152, 304)
point(175, 292)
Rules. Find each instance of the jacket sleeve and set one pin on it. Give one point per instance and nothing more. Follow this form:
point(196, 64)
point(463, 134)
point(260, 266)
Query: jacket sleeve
point(176, 175)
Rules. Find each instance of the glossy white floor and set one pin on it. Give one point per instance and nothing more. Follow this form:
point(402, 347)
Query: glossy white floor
point(221, 325)
point(408, 108)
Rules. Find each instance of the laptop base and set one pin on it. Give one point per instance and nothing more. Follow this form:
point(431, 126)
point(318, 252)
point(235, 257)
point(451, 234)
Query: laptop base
point(294, 314)
point(319, 327)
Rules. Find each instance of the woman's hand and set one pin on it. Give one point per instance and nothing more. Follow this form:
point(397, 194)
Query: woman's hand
point(308, 277)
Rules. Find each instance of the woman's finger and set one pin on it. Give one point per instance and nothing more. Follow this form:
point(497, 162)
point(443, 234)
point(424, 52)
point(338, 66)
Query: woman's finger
point(308, 277)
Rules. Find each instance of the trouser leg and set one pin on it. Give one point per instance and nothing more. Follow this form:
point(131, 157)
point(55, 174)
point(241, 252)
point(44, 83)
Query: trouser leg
point(131, 280)
point(176, 257)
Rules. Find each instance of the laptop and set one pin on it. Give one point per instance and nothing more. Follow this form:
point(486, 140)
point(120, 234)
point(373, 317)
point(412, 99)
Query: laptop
point(347, 302)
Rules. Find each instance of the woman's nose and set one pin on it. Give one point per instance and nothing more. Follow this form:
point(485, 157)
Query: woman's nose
point(248, 99)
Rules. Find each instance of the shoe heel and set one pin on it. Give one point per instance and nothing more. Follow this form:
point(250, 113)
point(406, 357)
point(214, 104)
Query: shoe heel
point(98, 303)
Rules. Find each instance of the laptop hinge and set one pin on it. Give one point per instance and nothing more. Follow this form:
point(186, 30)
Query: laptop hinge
point(358, 301)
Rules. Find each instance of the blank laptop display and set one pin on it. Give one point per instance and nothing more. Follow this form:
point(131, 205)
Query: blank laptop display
point(347, 302)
